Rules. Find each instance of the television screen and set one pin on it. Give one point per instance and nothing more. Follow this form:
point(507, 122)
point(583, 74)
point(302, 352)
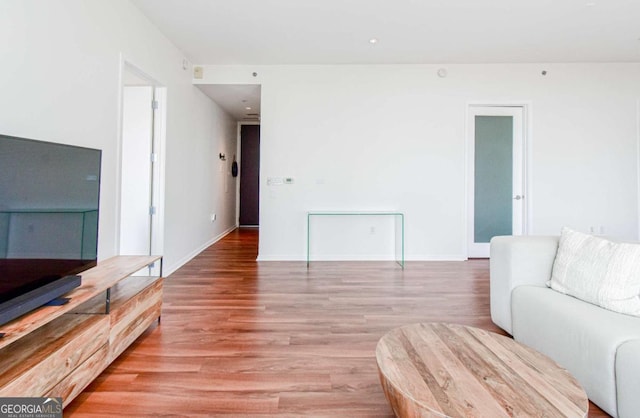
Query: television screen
point(49, 197)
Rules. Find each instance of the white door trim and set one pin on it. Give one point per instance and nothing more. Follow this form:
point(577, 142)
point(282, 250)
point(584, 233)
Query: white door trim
point(638, 163)
point(521, 176)
point(159, 145)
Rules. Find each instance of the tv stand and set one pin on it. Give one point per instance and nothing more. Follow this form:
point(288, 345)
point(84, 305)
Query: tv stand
point(57, 351)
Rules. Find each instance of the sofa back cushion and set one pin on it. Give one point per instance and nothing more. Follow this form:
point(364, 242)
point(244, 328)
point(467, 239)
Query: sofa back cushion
point(598, 271)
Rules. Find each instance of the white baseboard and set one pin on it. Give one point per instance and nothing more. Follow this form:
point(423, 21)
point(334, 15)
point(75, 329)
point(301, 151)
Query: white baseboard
point(330, 257)
point(281, 258)
point(168, 270)
point(439, 257)
point(386, 257)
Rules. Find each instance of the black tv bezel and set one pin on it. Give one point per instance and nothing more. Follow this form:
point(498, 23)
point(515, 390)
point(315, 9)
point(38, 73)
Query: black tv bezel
point(32, 299)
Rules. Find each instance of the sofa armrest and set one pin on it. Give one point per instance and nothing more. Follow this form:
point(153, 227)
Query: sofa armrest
point(628, 378)
point(515, 261)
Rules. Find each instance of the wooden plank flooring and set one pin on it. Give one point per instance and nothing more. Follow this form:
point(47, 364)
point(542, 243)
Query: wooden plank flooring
point(242, 338)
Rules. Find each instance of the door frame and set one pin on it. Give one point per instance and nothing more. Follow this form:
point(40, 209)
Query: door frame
point(470, 174)
point(159, 147)
point(638, 162)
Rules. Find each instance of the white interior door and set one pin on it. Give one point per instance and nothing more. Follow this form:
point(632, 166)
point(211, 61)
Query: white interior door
point(136, 188)
point(496, 175)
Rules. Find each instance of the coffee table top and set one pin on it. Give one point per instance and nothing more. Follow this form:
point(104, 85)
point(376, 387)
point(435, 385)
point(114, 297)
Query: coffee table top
point(436, 369)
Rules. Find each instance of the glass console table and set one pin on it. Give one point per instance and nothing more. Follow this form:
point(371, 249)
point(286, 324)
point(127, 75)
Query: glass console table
point(399, 228)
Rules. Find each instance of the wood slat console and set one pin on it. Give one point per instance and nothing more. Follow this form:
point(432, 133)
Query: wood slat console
point(59, 350)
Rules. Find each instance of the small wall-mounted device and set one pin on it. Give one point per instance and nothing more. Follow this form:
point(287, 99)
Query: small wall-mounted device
point(198, 72)
point(223, 157)
point(234, 167)
point(279, 181)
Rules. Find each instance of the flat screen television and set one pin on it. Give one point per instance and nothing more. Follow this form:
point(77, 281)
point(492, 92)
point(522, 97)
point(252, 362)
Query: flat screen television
point(49, 199)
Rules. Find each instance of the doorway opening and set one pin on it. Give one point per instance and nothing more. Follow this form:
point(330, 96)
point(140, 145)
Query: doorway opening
point(496, 183)
point(249, 202)
point(243, 103)
point(141, 217)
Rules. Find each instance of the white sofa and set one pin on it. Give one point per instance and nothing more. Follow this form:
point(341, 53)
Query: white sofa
point(599, 347)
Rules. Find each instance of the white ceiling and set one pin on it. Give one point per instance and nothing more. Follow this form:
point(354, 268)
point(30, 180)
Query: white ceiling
point(242, 101)
point(409, 31)
point(271, 32)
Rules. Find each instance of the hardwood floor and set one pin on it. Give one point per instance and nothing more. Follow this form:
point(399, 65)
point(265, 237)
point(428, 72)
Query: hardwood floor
point(275, 338)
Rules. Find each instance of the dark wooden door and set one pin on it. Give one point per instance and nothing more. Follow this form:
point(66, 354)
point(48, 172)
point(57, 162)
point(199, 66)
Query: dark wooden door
point(249, 175)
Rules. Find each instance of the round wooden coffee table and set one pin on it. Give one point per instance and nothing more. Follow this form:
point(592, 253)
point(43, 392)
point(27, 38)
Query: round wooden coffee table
point(446, 370)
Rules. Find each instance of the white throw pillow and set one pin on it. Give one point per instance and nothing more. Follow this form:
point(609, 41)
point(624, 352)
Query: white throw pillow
point(598, 271)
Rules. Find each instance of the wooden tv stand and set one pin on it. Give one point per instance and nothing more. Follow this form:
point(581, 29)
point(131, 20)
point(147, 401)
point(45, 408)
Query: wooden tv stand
point(57, 351)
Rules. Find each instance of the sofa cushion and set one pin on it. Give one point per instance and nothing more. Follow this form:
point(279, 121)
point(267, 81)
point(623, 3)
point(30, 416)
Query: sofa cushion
point(579, 336)
point(514, 261)
point(628, 378)
point(598, 271)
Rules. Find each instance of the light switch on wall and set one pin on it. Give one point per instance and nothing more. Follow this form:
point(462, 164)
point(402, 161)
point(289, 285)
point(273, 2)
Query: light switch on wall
point(279, 181)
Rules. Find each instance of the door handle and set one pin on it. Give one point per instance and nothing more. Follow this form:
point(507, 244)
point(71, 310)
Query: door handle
point(518, 197)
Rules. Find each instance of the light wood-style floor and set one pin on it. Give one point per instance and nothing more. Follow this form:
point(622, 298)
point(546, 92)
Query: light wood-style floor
point(275, 338)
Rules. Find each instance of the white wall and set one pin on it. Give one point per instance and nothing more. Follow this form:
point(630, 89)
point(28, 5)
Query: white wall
point(60, 81)
point(393, 137)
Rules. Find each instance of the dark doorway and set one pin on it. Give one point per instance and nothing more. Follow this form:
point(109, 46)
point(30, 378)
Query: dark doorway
point(249, 175)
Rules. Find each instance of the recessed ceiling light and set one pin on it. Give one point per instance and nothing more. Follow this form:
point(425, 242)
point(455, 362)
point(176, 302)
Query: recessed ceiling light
point(248, 108)
point(373, 41)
